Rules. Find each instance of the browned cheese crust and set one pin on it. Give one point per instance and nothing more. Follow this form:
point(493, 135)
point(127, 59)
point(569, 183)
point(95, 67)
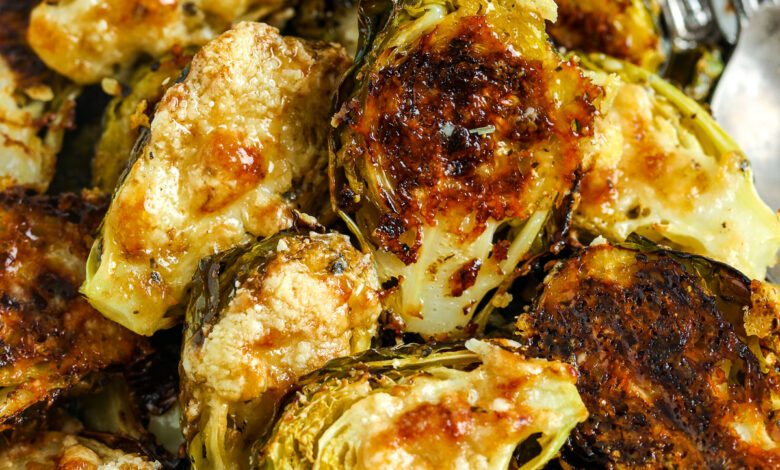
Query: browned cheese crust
point(663, 375)
point(461, 125)
point(50, 337)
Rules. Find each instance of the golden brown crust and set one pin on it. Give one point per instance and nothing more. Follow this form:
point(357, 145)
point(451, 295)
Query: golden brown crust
point(613, 27)
point(454, 125)
point(50, 336)
point(653, 351)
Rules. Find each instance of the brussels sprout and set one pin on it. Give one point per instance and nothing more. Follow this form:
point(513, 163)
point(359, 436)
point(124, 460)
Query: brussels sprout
point(64, 34)
point(427, 407)
point(626, 29)
point(232, 150)
point(35, 105)
point(458, 137)
point(327, 20)
point(129, 112)
point(657, 339)
point(762, 327)
point(664, 169)
point(50, 338)
point(260, 317)
point(55, 450)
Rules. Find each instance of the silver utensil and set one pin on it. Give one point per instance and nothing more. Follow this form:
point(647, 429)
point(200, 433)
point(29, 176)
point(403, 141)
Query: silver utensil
point(746, 100)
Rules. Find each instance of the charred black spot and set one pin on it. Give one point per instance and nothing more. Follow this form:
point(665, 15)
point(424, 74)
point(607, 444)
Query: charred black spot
point(657, 329)
point(454, 123)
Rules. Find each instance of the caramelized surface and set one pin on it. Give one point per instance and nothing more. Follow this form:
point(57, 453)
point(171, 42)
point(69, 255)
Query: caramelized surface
point(665, 379)
point(50, 338)
point(619, 28)
point(461, 126)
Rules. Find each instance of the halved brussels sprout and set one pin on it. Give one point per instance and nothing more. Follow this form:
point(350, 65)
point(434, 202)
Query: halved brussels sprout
point(762, 327)
point(35, 105)
point(232, 150)
point(663, 168)
point(50, 338)
point(482, 406)
point(128, 113)
point(55, 450)
point(667, 380)
point(259, 318)
point(327, 20)
point(88, 40)
point(626, 29)
point(459, 135)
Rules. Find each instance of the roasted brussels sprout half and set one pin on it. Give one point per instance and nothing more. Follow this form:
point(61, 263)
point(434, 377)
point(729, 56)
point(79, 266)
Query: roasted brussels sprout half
point(51, 338)
point(130, 112)
point(459, 134)
point(327, 20)
point(664, 169)
point(88, 40)
point(762, 327)
point(55, 450)
point(35, 105)
point(626, 29)
point(655, 336)
point(259, 318)
point(232, 150)
point(427, 407)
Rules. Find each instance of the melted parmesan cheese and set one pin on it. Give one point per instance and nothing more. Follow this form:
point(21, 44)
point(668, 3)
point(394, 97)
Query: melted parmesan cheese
point(86, 40)
point(313, 299)
point(462, 420)
point(437, 418)
point(52, 450)
point(288, 320)
point(653, 174)
point(232, 150)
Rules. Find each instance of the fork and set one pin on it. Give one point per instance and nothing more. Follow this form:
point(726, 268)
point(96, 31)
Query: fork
point(746, 100)
point(691, 23)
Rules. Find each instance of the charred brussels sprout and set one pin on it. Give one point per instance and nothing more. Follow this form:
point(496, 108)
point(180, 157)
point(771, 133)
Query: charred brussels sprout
point(130, 112)
point(259, 318)
point(427, 408)
point(50, 338)
point(664, 169)
point(626, 29)
point(232, 151)
point(657, 339)
point(458, 137)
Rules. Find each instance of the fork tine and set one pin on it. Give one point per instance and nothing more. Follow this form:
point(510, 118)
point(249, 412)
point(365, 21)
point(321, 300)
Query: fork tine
point(690, 22)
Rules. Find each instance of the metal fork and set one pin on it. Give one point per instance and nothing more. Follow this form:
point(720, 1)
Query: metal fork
point(691, 23)
point(746, 100)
